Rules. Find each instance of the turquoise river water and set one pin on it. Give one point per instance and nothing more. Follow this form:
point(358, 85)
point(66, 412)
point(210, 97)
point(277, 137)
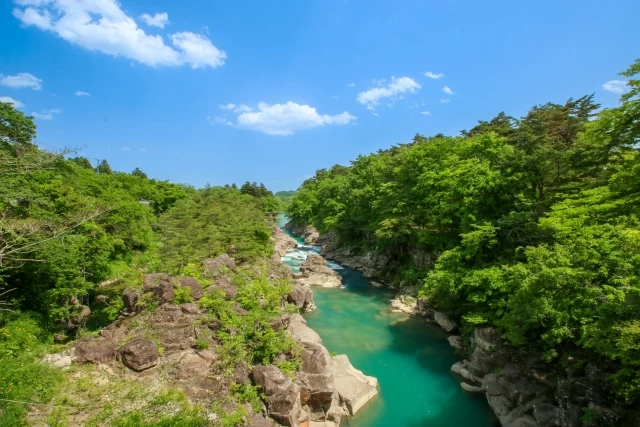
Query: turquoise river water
point(410, 357)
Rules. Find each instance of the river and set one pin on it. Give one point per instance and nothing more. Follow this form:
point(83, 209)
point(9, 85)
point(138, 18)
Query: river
point(410, 357)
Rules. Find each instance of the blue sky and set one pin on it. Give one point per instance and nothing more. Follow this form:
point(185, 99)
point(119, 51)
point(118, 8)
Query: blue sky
point(229, 91)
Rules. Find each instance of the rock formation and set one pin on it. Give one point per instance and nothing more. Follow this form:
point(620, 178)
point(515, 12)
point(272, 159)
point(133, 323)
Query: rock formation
point(308, 233)
point(314, 271)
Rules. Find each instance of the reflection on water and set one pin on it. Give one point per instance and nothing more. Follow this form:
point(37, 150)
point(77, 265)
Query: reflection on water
point(410, 358)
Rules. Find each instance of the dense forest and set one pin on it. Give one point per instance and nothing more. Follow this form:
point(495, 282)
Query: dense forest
point(532, 224)
point(73, 236)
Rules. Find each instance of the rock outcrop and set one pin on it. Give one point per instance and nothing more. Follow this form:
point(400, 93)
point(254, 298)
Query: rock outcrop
point(302, 297)
point(283, 243)
point(354, 388)
point(308, 233)
point(282, 394)
point(335, 387)
point(139, 354)
point(216, 267)
point(314, 271)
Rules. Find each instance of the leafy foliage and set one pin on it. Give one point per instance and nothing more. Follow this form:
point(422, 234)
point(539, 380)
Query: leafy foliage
point(533, 222)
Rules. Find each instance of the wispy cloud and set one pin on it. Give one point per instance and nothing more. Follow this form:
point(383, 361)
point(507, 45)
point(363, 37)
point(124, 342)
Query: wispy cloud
point(352, 84)
point(103, 26)
point(236, 108)
point(372, 97)
point(425, 113)
point(280, 119)
point(447, 90)
point(432, 75)
point(125, 148)
point(444, 101)
point(158, 20)
point(10, 100)
point(616, 86)
point(47, 114)
point(21, 80)
point(81, 93)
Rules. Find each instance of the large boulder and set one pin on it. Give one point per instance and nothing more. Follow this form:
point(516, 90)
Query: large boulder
point(444, 322)
point(151, 281)
point(174, 326)
point(130, 298)
point(216, 267)
point(193, 366)
point(89, 350)
point(302, 297)
point(488, 339)
point(139, 354)
point(314, 271)
point(355, 388)
point(301, 332)
point(282, 395)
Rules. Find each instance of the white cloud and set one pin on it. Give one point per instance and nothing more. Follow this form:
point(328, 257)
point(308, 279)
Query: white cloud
point(219, 120)
point(236, 108)
point(444, 101)
point(374, 114)
point(352, 84)
point(21, 80)
point(425, 113)
point(43, 116)
point(158, 20)
point(616, 86)
point(281, 119)
point(197, 50)
point(10, 100)
point(143, 150)
point(447, 90)
point(81, 93)
point(335, 97)
point(47, 114)
point(125, 148)
point(100, 25)
point(433, 75)
point(370, 98)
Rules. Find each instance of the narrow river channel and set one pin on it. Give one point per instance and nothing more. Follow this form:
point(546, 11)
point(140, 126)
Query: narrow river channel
point(410, 357)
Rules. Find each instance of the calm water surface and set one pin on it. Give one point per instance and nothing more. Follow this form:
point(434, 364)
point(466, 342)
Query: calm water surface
point(410, 357)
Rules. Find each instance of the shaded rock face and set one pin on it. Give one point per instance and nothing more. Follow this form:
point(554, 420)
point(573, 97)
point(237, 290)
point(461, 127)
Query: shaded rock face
point(282, 395)
point(215, 267)
point(354, 388)
point(302, 297)
point(139, 354)
point(314, 271)
point(151, 281)
point(130, 298)
point(283, 243)
point(90, 350)
point(444, 322)
point(372, 265)
point(307, 232)
point(193, 284)
point(174, 326)
point(301, 332)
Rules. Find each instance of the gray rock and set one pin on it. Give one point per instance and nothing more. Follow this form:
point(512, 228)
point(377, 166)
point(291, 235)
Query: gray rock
point(302, 297)
point(270, 379)
point(500, 405)
point(490, 385)
point(282, 394)
point(471, 388)
point(355, 388)
point(215, 267)
point(94, 350)
point(130, 298)
point(153, 280)
point(546, 415)
point(524, 421)
point(139, 354)
point(487, 339)
point(444, 322)
point(455, 341)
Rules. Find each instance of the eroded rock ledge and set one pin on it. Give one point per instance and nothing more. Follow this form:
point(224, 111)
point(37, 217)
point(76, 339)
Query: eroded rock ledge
point(315, 272)
point(307, 232)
